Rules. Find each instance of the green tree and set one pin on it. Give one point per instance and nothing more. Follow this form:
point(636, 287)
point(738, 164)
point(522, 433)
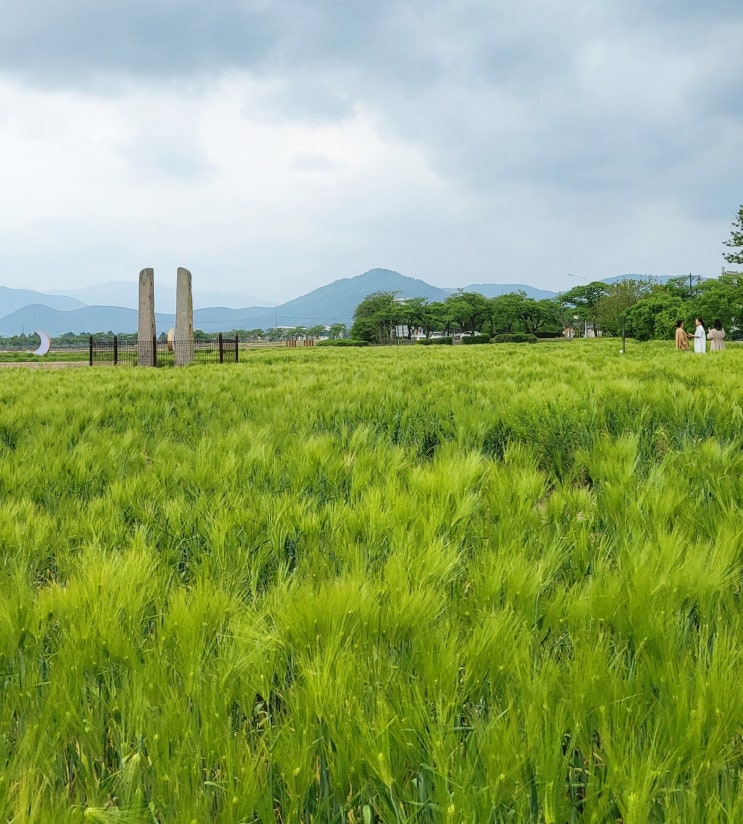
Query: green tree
point(375, 317)
point(721, 298)
point(436, 317)
point(468, 310)
point(414, 311)
point(618, 297)
point(655, 316)
point(664, 324)
point(582, 300)
point(338, 330)
point(538, 314)
point(505, 313)
point(736, 240)
point(515, 312)
point(682, 287)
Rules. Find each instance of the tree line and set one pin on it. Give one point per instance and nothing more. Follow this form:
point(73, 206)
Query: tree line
point(78, 340)
point(643, 308)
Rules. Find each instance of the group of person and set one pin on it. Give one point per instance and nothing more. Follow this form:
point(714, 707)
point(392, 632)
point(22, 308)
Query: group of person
point(716, 337)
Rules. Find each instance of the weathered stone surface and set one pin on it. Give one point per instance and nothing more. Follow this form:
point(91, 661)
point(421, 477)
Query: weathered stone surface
point(183, 344)
point(146, 329)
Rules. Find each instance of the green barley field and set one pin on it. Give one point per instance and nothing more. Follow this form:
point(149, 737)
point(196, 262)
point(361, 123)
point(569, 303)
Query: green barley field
point(472, 584)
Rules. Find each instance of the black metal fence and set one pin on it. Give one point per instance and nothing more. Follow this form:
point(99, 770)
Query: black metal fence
point(162, 352)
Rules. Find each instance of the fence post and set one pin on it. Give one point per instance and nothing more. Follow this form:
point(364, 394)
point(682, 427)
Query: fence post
point(221, 349)
point(237, 349)
point(116, 349)
point(154, 350)
point(90, 350)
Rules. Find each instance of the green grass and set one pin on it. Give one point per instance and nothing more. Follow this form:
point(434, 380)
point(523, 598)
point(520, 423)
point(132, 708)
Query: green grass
point(55, 355)
point(420, 584)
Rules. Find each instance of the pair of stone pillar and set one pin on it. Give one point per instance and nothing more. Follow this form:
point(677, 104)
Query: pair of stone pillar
point(183, 343)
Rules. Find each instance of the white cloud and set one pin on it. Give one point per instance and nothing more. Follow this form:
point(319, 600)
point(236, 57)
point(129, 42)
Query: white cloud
point(177, 176)
point(274, 147)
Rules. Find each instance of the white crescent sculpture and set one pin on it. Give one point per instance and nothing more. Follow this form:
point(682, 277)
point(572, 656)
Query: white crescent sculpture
point(46, 343)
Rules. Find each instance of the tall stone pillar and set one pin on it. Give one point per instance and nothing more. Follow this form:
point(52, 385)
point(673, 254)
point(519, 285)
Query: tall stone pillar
point(146, 328)
point(183, 336)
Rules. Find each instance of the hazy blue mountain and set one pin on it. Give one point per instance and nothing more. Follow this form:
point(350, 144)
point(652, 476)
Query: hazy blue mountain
point(346, 294)
point(492, 290)
point(12, 299)
point(122, 319)
point(88, 319)
point(111, 293)
point(618, 278)
point(334, 303)
point(205, 300)
point(654, 278)
point(126, 293)
point(223, 318)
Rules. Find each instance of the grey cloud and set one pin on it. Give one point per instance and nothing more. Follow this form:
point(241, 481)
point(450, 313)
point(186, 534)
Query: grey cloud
point(412, 43)
point(675, 13)
point(581, 101)
point(312, 162)
point(67, 42)
point(306, 100)
point(175, 160)
point(76, 42)
point(515, 109)
point(166, 151)
point(490, 91)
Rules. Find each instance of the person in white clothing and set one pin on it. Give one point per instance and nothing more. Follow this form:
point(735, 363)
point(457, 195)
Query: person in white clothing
point(700, 338)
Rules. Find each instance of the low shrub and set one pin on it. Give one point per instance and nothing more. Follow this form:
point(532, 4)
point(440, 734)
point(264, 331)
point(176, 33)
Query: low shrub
point(342, 342)
point(515, 337)
point(470, 339)
point(435, 341)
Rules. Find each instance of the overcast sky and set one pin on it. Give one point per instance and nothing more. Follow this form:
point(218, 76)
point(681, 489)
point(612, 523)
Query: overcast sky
point(273, 147)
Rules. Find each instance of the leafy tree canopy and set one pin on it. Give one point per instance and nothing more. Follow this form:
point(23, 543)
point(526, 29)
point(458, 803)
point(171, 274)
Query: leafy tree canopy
point(736, 240)
point(468, 310)
point(585, 296)
point(375, 316)
point(611, 308)
point(654, 316)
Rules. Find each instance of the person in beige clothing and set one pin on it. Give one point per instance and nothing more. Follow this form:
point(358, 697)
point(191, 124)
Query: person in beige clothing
point(716, 336)
point(682, 339)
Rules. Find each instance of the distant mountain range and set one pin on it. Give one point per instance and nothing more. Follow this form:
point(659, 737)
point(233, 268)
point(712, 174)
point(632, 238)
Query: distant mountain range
point(126, 293)
point(13, 299)
point(22, 310)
